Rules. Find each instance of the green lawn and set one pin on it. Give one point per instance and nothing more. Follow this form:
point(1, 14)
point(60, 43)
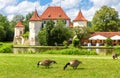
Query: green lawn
point(25, 66)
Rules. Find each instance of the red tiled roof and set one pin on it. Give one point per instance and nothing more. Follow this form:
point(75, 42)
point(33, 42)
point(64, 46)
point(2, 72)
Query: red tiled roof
point(35, 16)
point(80, 17)
point(19, 24)
point(105, 34)
point(54, 12)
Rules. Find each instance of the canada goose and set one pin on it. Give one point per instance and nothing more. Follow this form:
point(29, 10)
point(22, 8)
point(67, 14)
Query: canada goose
point(114, 55)
point(73, 63)
point(46, 63)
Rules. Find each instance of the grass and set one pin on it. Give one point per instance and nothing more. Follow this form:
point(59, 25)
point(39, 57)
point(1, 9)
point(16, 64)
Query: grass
point(25, 66)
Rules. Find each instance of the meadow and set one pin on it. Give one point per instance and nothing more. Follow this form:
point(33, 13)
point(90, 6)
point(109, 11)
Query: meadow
point(25, 66)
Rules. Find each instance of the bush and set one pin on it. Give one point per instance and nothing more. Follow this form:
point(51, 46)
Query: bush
point(71, 51)
point(6, 49)
point(76, 42)
point(108, 42)
point(117, 50)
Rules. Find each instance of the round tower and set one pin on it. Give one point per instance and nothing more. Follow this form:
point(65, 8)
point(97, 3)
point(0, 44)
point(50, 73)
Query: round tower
point(34, 27)
point(80, 20)
point(19, 31)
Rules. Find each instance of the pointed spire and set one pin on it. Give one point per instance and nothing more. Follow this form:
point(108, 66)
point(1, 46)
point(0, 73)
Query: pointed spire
point(19, 24)
point(80, 17)
point(35, 16)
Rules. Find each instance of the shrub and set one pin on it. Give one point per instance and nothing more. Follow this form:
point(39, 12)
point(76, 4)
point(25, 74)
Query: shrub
point(76, 42)
point(71, 51)
point(117, 50)
point(65, 43)
point(108, 42)
point(6, 49)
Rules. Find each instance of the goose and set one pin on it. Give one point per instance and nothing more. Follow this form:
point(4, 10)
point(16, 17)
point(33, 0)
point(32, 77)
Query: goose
point(114, 55)
point(73, 63)
point(46, 63)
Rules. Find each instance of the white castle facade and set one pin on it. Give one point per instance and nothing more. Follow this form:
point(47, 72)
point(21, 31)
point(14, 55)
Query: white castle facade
point(37, 22)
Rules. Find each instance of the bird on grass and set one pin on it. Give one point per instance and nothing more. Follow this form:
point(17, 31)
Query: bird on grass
point(46, 63)
point(73, 63)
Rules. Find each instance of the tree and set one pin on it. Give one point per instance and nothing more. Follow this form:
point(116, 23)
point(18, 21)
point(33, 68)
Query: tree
point(6, 29)
point(105, 19)
point(42, 37)
point(49, 26)
point(52, 34)
point(18, 17)
point(60, 32)
point(108, 42)
point(2, 33)
point(82, 32)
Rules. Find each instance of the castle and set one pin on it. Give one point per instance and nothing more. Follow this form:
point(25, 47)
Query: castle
point(37, 22)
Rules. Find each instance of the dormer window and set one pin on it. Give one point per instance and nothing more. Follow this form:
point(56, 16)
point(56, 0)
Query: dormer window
point(49, 15)
point(59, 15)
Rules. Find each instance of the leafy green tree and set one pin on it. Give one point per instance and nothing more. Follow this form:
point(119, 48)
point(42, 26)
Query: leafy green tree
point(2, 33)
point(108, 42)
point(52, 34)
point(60, 32)
point(42, 37)
point(6, 29)
point(106, 19)
point(82, 32)
point(26, 21)
point(49, 26)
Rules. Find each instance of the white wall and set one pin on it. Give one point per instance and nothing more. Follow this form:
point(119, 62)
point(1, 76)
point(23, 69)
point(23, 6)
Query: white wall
point(34, 28)
point(18, 30)
point(79, 23)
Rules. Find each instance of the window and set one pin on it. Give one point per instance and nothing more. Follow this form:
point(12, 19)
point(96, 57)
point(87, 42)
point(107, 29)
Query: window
point(65, 21)
point(44, 22)
point(20, 32)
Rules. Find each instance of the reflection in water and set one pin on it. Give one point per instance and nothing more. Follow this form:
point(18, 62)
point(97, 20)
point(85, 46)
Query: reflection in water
point(103, 51)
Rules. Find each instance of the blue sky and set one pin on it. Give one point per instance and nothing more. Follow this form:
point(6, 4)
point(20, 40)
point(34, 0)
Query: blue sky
point(10, 8)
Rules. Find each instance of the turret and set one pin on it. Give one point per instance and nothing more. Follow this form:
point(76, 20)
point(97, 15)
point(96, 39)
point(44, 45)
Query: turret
point(19, 30)
point(34, 27)
point(80, 20)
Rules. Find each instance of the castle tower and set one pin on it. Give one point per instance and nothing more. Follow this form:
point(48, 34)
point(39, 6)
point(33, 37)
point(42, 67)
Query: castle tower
point(79, 20)
point(19, 30)
point(34, 27)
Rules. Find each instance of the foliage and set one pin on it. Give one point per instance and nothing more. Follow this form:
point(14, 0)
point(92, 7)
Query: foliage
point(42, 37)
point(71, 51)
point(65, 43)
point(49, 27)
point(108, 42)
point(6, 48)
point(2, 33)
point(18, 17)
point(82, 32)
point(117, 50)
point(76, 42)
point(106, 19)
point(26, 35)
point(60, 32)
point(5, 29)
point(54, 33)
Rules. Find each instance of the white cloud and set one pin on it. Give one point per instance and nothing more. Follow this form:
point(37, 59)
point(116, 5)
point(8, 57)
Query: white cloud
point(72, 13)
point(4, 3)
point(66, 4)
point(22, 8)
